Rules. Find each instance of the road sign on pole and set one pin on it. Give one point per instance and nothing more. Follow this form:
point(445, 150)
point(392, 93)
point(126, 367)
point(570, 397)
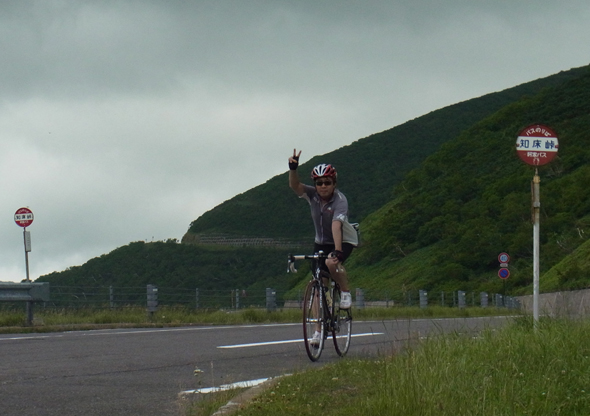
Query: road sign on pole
point(537, 145)
point(23, 217)
point(503, 273)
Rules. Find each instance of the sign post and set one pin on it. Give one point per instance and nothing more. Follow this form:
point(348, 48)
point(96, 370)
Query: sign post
point(504, 273)
point(536, 145)
point(23, 217)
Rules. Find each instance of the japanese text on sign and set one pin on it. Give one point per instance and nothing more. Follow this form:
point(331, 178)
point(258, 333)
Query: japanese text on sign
point(538, 131)
point(537, 143)
point(23, 217)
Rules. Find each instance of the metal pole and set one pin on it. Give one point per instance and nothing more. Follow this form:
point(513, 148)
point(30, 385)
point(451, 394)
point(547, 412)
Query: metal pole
point(29, 306)
point(26, 252)
point(29, 313)
point(536, 231)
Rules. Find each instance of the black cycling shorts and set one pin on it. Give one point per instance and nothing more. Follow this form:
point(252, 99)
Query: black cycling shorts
point(328, 248)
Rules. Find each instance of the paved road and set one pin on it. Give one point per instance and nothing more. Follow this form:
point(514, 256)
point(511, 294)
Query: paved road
point(142, 371)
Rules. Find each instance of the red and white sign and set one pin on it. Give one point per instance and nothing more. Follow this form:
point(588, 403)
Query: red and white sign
point(23, 217)
point(537, 145)
point(503, 258)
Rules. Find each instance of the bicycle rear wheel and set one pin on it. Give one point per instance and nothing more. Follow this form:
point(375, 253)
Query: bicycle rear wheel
point(342, 326)
point(313, 320)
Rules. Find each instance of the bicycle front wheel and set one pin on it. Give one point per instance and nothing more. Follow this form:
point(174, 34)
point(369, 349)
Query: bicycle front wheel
point(342, 326)
point(313, 320)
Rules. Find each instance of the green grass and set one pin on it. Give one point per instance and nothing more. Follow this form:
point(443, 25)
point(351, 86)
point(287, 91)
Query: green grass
point(570, 273)
point(517, 370)
point(206, 404)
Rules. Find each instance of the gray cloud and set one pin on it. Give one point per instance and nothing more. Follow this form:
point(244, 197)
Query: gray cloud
point(126, 120)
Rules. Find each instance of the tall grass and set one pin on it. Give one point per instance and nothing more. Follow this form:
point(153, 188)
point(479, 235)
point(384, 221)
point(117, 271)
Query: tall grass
point(517, 370)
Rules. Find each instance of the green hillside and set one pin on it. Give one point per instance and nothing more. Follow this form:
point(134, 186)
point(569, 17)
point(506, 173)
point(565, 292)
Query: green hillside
point(383, 158)
point(471, 201)
point(447, 194)
point(180, 266)
point(571, 272)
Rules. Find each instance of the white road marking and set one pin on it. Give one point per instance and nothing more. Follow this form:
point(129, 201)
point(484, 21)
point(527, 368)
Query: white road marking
point(30, 337)
point(290, 341)
point(137, 331)
point(140, 331)
point(223, 387)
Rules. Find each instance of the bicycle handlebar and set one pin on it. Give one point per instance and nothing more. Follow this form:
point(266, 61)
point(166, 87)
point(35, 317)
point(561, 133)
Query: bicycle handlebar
point(291, 259)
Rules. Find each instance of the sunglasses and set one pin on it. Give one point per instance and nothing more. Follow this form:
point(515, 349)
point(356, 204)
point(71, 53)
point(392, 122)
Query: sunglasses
point(322, 183)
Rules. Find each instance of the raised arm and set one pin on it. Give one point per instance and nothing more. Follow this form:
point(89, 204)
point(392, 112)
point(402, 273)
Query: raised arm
point(293, 175)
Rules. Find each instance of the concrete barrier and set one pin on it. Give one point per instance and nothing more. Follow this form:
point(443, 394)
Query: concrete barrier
point(571, 304)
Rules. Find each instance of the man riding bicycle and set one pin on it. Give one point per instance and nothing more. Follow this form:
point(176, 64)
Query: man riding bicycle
point(329, 211)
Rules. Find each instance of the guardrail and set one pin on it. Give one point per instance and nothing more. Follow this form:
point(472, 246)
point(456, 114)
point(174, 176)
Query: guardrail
point(25, 291)
point(28, 292)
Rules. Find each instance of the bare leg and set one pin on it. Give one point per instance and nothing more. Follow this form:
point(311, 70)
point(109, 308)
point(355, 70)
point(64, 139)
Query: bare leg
point(316, 310)
point(338, 273)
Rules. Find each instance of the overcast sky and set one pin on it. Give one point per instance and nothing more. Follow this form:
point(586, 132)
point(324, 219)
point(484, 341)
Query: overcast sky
point(126, 120)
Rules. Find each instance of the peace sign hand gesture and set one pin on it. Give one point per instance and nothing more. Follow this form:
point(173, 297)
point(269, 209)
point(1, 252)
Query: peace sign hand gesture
point(294, 160)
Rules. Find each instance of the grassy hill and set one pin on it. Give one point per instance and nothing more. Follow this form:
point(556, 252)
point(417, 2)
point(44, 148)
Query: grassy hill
point(447, 194)
point(571, 272)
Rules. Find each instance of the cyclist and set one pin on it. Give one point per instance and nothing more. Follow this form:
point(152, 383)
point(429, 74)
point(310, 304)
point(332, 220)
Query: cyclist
point(329, 211)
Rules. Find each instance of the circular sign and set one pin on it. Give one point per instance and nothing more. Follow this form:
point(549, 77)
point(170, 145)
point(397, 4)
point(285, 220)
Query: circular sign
point(503, 258)
point(537, 145)
point(503, 273)
point(23, 217)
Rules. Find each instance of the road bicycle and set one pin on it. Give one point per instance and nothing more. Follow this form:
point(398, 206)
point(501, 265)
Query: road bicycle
point(321, 309)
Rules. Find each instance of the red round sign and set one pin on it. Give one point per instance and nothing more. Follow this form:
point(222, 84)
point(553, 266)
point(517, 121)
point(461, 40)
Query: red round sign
point(23, 217)
point(503, 258)
point(537, 145)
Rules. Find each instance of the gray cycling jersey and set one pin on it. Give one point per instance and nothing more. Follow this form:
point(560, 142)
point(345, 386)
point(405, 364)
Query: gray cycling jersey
point(323, 214)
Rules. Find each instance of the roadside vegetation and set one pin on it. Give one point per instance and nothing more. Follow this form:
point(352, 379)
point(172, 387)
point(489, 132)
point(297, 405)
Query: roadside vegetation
point(517, 370)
